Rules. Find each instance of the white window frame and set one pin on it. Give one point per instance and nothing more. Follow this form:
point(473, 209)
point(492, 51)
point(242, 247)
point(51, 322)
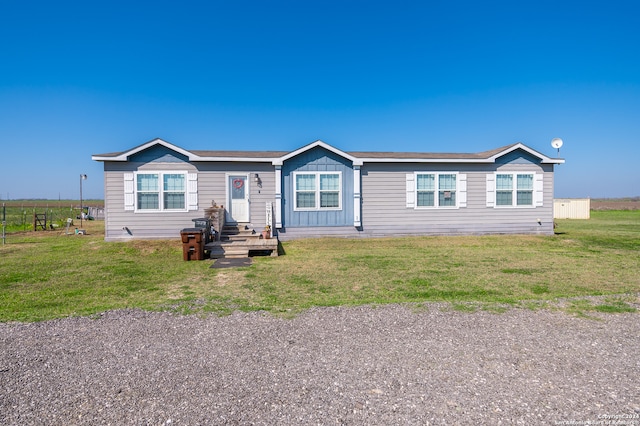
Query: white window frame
point(188, 182)
point(317, 191)
point(436, 200)
point(536, 192)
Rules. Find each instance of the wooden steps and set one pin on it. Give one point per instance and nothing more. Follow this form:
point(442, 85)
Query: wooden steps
point(241, 241)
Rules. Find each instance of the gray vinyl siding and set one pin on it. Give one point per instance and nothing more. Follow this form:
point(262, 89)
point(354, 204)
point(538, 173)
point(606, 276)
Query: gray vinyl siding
point(212, 186)
point(383, 200)
point(121, 224)
point(384, 209)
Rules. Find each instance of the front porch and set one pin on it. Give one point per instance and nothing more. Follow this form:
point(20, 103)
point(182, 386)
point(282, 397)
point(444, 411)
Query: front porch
point(241, 241)
point(233, 240)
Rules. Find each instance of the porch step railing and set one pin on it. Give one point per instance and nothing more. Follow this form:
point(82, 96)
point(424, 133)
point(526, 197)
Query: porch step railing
point(269, 218)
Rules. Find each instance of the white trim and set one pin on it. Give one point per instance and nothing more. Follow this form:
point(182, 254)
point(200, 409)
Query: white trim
point(278, 196)
point(514, 191)
point(520, 145)
point(317, 191)
point(280, 161)
point(488, 160)
point(269, 217)
point(437, 190)
point(129, 192)
point(237, 159)
point(425, 160)
point(357, 198)
point(356, 161)
point(410, 186)
point(247, 195)
point(538, 189)
point(161, 191)
point(461, 190)
point(192, 191)
point(124, 156)
point(491, 189)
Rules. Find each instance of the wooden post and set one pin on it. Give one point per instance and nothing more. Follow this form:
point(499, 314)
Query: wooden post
point(38, 221)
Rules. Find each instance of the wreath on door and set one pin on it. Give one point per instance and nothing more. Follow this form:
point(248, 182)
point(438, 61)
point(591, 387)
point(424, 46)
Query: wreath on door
point(238, 183)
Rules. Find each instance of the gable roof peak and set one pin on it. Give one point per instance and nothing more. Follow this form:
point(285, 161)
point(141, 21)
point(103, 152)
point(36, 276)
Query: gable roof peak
point(318, 143)
point(277, 158)
point(493, 155)
point(124, 155)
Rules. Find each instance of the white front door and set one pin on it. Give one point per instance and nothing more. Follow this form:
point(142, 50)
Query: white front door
point(238, 203)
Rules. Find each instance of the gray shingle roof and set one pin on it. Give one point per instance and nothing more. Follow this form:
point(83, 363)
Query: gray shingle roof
point(374, 156)
point(358, 154)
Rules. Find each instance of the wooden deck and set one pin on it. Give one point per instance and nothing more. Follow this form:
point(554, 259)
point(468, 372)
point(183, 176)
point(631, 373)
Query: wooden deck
point(241, 241)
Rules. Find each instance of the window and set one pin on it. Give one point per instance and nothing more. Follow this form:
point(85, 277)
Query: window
point(174, 191)
point(160, 191)
point(436, 189)
point(329, 190)
point(426, 189)
point(514, 189)
point(317, 191)
point(305, 191)
point(148, 195)
point(447, 190)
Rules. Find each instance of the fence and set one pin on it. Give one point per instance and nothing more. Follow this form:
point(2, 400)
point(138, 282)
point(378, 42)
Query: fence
point(18, 217)
point(96, 212)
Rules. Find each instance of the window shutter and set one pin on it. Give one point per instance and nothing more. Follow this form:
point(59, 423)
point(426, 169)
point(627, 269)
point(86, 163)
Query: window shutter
point(538, 189)
point(411, 190)
point(192, 191)
point(129, 195)
point(491, 190)
point(462, 190)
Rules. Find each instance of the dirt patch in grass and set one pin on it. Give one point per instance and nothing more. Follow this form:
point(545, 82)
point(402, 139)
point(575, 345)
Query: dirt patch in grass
point(615, 203)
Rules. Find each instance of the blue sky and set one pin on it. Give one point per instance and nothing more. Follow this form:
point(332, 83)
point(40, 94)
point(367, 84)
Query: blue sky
point(79, 78)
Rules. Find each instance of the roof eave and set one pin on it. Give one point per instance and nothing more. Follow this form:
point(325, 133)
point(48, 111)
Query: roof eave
point(124, 156)
point(237, 159)
point(106, 158)
point(424, 160)
point(357, 161)
point(543, 158)
point(553, 161)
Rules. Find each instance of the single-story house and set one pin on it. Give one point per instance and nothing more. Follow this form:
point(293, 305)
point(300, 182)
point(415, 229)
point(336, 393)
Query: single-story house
point(156, 189)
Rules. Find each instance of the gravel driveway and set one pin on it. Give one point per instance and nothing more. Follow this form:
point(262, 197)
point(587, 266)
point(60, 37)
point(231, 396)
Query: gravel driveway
point(390, 365)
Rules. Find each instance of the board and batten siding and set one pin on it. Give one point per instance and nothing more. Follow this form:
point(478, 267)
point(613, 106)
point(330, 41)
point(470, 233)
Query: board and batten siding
point(317, 160)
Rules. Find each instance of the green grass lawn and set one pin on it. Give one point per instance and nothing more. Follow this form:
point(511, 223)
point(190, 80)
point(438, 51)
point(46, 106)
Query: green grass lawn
point(46, 275)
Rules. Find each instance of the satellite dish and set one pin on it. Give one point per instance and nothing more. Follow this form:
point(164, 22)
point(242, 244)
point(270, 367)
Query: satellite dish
point(556, 143)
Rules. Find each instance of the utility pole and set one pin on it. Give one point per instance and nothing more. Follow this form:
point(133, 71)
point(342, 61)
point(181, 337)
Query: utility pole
point(4, 222)
point(82, 177)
